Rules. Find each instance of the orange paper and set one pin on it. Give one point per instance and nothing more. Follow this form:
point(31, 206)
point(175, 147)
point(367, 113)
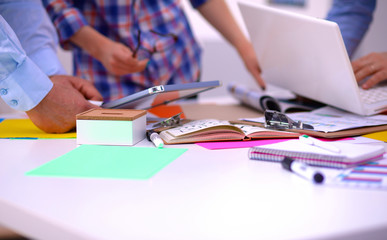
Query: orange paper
point(166, 111)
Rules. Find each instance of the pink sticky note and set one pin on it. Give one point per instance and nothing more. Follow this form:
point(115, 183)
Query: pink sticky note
point(239, 144)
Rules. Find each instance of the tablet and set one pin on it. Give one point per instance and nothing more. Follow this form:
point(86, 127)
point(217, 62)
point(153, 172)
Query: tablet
point(162, 94)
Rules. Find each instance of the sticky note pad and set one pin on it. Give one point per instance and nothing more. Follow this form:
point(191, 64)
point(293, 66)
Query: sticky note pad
point(24, 128)
point(100, 161)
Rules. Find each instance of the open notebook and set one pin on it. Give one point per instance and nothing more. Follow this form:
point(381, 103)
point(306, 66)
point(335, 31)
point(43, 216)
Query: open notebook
point(350, 155)
point(211, 130)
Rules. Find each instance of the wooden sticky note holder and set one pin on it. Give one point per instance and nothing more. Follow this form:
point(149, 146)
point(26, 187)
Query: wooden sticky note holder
point(111, 126)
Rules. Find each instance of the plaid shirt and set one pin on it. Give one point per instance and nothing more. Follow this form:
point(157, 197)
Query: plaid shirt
point(121, 20)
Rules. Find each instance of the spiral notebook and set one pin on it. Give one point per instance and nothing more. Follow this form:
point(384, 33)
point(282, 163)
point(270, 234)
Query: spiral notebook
point(350, 155)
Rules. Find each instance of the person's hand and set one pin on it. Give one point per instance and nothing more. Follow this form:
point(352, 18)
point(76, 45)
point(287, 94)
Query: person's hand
point(219, 16)
point(115, 57)
point(250, 60)
point(374, 66)
point(68, 97)
point(118, 60)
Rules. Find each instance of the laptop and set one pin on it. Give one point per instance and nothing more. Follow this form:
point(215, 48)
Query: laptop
point(307, 55)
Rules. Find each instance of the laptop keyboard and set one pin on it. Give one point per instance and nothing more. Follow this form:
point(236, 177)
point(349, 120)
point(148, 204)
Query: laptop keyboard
point(374, 95)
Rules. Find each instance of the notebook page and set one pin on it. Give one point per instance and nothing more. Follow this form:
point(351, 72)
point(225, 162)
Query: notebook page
point(196, 126)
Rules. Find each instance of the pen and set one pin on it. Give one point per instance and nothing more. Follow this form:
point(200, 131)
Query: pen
point(302, 170)
point(155, 138)
point(315, 142)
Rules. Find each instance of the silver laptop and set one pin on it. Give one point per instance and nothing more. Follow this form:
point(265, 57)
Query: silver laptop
point(307, 56)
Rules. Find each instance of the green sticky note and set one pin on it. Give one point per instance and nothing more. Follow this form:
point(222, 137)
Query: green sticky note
point(119, 162)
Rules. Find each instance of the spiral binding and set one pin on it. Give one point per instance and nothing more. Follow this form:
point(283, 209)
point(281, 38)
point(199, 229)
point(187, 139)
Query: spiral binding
point(274, 155)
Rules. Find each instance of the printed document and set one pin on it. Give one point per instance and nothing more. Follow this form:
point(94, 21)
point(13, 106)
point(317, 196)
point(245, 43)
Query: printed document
point(329, 119)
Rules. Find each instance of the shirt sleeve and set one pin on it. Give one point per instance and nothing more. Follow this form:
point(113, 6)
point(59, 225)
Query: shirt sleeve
point(197, 3)
point(353, 18)
point(67, 20)
point(22, 84)
point(36, 33)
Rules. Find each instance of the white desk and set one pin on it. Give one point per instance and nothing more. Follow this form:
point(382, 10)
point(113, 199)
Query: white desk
point(203, 194)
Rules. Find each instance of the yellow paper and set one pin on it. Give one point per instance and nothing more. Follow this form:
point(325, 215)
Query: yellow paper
point(24, 128)
point(381, 136)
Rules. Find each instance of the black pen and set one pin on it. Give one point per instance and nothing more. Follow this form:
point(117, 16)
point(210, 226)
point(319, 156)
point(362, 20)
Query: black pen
point(155, 138)
point(302, 170)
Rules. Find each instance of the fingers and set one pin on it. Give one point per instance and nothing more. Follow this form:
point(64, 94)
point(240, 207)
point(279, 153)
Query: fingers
point(365, 66)
point(247, 53)
point(252, 65)
point(85, 87)
point(360, 63)
point(374, 66)
point(256, 72)
point(126, 66)
point(121, 62)
point(122, 65)
point(375, 79)
point(365, 71)
point(88, 90)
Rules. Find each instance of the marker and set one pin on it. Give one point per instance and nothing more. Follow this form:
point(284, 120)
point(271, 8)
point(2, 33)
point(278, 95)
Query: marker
point(155, 138)
point(315, 142)
point(302, 170)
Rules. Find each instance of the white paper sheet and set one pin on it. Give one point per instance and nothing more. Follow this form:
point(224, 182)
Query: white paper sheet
point(329, 119)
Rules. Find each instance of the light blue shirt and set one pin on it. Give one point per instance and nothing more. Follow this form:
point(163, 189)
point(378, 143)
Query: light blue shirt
point(22, 84)
point(353, 18)
point(36, 33)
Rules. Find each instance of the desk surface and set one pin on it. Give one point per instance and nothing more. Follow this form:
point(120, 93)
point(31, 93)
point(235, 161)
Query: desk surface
point(204, 194)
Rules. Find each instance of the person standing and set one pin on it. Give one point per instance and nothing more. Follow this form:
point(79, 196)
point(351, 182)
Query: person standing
point(127, 46)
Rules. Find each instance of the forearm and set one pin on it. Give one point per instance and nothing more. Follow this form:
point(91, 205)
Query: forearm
point(217, 13)
point(116, 57)
point(91, 41)
point(67, 19)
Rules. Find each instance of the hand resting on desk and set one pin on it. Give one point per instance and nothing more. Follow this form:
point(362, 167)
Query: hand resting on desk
point(68, 97)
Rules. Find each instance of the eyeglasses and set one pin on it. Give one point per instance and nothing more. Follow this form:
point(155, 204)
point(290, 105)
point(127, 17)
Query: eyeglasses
point(168, 41)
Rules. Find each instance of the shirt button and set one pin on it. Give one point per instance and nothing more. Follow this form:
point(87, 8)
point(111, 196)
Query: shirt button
point(3, 91)
point(14, 102)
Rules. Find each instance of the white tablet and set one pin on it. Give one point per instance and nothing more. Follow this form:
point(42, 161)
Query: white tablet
point(162, 94)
